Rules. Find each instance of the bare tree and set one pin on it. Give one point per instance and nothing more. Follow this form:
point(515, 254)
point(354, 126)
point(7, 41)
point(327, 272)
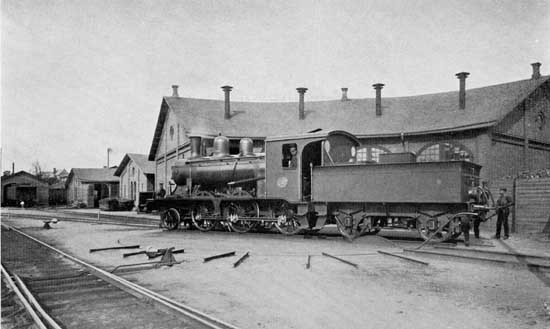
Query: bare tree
point(37, 169)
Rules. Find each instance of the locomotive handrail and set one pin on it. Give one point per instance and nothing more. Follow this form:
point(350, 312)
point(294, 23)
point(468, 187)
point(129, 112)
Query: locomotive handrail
point(247, 180)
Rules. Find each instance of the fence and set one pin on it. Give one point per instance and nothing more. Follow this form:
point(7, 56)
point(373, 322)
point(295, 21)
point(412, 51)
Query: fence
point(532, 205)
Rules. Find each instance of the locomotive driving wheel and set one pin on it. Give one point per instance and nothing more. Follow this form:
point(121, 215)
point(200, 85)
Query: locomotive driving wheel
point(437, 228)
point(238, 214)
point(201, 217)
point(170, 219)
point(287, 223)
point(352, 225)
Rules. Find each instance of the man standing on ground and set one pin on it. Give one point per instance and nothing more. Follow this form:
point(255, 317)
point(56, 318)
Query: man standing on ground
point(483, 199)
point(503, 211)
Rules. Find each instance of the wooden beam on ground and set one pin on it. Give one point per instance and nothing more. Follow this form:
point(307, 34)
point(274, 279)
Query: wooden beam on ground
point(403, 257)
point(340, 259)
point(245, 256)
point(227, 254)
point(115, 248)
point(133, 253)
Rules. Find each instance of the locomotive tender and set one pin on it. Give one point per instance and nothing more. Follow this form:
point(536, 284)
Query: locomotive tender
point(315, 179)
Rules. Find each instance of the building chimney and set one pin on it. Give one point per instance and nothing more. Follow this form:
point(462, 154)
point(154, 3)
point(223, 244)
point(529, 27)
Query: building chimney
point(175, 91)
point(462, 89)
point(536, 70)
point(378, 88)
point(301, 111)
point(227, 90)
point(345, 94)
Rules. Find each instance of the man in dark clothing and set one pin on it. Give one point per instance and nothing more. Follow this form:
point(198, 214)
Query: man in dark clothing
point(483, 199)
point(503, 211)
point(162, 192)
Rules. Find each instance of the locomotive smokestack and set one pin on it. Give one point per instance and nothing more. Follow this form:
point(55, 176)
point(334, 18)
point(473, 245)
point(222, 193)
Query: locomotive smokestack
point(195, 142)
point(301, 111)
point(378, 87)
point(227, 90)
point(462, 89)
point(175, 91)
point(536, 70)
point(345, 94)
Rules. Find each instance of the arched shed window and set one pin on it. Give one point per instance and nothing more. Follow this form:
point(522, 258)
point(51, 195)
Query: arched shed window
point(370, 153)
point(444, 152)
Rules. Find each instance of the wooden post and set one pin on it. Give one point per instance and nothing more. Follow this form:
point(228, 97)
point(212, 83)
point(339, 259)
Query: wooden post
point(515, 196)
point(178, 142)
point(525, 139)
point(165, 157)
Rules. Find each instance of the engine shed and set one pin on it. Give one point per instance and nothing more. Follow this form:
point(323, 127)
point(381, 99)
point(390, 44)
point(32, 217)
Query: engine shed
point(23, 186)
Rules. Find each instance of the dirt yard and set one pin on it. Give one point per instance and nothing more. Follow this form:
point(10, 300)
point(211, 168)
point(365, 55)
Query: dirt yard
point(273, 289)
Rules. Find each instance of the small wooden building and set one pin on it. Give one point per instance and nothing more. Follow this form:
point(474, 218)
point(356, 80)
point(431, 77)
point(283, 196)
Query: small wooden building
point(58, 194)
point(137, 174)
point(89, 185)
point(26, 187)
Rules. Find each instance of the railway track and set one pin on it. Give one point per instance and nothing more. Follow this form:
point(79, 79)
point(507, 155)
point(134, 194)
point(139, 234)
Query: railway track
point(16, 311)
point(87, 218)
point(488, 256)
point(79, 295)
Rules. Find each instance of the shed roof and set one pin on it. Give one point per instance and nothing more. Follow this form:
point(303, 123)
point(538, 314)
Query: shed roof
point(146, 166)
point(420, 114)
point(93, 175)
point(23, 177)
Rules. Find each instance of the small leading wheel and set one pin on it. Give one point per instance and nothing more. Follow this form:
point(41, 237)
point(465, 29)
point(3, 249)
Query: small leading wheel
point(170, 219)
point(437, 229)
point(201, 217)
point(287, 223)
point(238, 215)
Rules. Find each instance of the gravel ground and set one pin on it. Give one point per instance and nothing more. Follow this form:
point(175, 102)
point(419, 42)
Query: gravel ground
point(273, 289)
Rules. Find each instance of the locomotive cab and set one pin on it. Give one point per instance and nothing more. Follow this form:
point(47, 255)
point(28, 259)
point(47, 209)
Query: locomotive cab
point(291, 159)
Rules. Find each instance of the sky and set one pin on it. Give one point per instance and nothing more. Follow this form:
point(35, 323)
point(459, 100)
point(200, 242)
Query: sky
point(78, 77)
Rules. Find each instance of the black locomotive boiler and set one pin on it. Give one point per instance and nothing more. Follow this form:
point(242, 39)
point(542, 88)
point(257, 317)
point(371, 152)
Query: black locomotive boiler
point(315, 179)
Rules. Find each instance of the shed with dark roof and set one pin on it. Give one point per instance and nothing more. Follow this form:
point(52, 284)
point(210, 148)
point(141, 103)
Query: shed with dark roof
point(503, 127)
point(23, 186)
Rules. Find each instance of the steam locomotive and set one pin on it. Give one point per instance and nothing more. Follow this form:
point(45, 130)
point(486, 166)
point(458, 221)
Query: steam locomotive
point(315, 179)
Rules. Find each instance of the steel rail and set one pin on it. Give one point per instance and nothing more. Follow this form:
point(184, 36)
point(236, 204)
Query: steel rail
point(83, 220)
point(484, 259)
point(494, 252)
point(23, 300)
point(140, 291)
point(34, 302)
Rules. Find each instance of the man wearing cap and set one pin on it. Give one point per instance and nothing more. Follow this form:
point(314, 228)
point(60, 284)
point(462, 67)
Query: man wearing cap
point(503, 211)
